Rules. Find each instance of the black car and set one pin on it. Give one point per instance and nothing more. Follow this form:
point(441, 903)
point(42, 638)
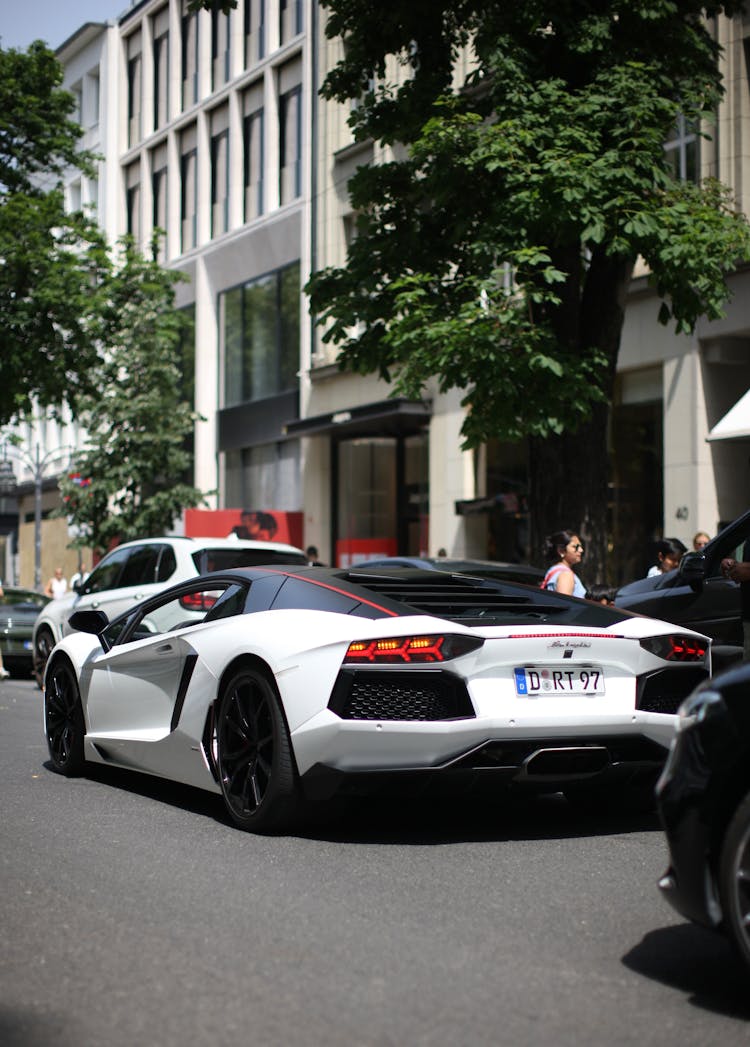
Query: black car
point(703, 797)
point(19, 609)
point(697, 595)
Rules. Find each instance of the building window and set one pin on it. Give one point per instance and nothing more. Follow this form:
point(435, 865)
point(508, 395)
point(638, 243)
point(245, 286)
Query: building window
point(260, 323)
point(290, 145)
point(161, 80)
point(220, 183)
point(159, 213)
point(253, 164)
point(268, 475)
point(255, 31)
point(92, 98)
point(290, 19)
point(188, 190)
point(219, 47)
point(74, 196)
point(133, 201)
point(135, 89)
point(682, 152)
point(189, 58)
point(77, 115)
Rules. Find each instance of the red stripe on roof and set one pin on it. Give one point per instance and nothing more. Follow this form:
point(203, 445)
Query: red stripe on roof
point(333, 589)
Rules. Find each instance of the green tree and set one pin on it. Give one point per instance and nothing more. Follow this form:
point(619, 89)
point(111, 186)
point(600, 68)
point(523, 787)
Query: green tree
point(494, 254)
point(130, 480)
point(49, 259)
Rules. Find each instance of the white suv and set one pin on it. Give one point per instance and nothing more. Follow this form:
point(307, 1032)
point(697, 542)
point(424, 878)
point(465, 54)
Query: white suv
point(135, 570)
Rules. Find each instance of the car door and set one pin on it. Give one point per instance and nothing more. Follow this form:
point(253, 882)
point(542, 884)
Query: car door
point(135, 688)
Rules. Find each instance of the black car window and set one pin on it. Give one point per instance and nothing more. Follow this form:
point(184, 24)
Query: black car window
point(180, 610)
point(229, 605)
point(167, 563)
point(140, 568)
point(106, 575)
point(297, 594)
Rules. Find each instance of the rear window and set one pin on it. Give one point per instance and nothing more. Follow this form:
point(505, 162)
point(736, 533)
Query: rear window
point(227, 559)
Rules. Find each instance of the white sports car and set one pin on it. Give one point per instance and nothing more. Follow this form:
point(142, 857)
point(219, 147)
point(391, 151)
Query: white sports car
point(274, 685)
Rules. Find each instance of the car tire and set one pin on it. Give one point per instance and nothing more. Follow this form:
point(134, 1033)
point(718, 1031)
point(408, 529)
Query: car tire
point(63, 720)
point(253, 754)
point(734, 880)
point(43, 645)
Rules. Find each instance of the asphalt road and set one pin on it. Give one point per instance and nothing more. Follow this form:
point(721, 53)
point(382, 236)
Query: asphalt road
point(132, 913)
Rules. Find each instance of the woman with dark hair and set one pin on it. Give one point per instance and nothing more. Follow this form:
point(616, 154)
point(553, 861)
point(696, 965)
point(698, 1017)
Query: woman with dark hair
point(563, 551)
point(669, 552)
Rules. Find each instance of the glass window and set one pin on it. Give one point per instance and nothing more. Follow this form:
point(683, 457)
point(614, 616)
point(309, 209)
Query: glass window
point(253, 164)
point(189, 57)
point(367, 489)
point(290, 145)
point(167, 563)
point(134, 99)
point(220, 183)
point(161, 80)
point(219, 47)
point(267, 474)
point(229, 605)
point(290, 19)
point(255, 18)
point(261, 332)
point(140, 568)
point(188, 199)
point(106, 574)
point(133, 201)
point(682, 153)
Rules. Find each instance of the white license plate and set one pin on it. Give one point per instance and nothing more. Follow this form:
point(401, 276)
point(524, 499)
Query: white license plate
point(551, 680)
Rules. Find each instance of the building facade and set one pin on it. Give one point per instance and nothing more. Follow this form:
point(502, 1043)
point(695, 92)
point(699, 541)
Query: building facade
point(212, 130)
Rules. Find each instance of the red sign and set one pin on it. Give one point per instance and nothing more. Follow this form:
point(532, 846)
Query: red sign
point(263, 525)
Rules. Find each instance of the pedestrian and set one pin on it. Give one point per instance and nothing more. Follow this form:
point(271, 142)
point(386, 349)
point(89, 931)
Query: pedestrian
point(600, 592)
point(669, 552)
point(312, 556)
point(57, 586)
point(739, 571)
point(563, 551)
point(4, 674)
point(700, 541)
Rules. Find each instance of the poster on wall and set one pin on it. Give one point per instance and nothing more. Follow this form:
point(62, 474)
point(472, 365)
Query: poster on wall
point(262, 525)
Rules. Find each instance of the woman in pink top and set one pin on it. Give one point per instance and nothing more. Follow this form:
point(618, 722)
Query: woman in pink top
point(564, 551)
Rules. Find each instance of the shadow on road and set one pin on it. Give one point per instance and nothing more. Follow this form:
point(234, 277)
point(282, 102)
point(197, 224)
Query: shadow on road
point(419, 820)
point(697, 962)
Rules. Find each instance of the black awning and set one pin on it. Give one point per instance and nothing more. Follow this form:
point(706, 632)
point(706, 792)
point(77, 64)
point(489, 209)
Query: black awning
point(397, 417)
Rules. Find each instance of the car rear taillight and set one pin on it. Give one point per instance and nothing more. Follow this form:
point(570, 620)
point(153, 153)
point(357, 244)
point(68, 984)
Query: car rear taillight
point(198, 601)
point(675, 648)
point(400, 649)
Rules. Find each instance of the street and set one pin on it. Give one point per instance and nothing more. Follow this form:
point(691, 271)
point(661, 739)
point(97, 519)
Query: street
point(133, 913)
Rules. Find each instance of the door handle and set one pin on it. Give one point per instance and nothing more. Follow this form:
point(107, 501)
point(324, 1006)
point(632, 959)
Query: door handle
point(166, 648)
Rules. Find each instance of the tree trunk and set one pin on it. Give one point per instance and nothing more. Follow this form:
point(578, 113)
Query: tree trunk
point(569, 474)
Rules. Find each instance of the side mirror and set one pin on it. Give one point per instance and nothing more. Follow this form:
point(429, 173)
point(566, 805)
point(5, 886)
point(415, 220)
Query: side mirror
point(94, 622)
point(692, 568)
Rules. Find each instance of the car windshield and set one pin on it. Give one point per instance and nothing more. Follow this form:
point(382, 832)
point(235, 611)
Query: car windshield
point(16, 597)
point(226, 559)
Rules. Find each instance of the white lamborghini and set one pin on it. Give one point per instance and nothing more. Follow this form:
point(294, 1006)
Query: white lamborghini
point(278, 685)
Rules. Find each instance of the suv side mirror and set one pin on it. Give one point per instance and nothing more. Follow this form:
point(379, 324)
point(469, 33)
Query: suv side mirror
point(692, 568)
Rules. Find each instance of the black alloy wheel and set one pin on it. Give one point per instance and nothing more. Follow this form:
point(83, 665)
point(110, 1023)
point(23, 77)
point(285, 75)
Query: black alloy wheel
point(42, 650)
point(63, 719)
point(734, 880)
point(253, 754)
